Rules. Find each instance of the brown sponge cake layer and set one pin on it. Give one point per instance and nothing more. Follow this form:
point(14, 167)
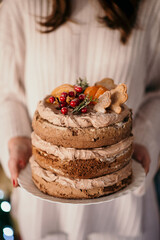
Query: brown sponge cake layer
point(89, 137)
point(56, 189)
point(89, 168)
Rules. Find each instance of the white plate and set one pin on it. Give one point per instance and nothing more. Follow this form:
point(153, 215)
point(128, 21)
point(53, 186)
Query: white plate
point(25, 181)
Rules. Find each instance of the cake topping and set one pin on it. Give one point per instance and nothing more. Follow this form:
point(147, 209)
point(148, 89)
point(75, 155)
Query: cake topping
point(73, 103)
point(95, 91)
point(64, 94)
point(51, 99)
point(83, 104)
point(119, 96)
point(106, 82)
point(63, 88)
point(105, 94)
point(64, 110)
point(84, 110)
point(71, 94)
point(113, 98)
point(82, 83)
point(50, 113)
point(78, 89)
point(82, 97)
point(104, 101)
point(62, 98)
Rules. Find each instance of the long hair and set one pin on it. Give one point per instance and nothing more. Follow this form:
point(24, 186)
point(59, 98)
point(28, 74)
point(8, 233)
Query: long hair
point(119, 14)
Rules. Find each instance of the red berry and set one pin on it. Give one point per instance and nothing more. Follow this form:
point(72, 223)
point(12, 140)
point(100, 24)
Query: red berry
point(52, 99)
point(71, 94)
point(78, 89)
point(64, 110)
point(62, 98)
point(63, 104)
point(73, 103)
point(65, 94)
point(82, 97)
point(84, 110)
point(77, 101)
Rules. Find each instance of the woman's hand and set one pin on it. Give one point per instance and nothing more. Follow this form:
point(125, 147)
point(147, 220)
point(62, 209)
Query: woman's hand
point(20, 151)
point(141, 155)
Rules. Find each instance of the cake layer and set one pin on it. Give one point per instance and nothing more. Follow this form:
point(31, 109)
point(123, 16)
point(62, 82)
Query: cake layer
point(89, 137)
point(63, 187)
point(82, 163)
point(81, 168)
point(103, 153)
point(94, 119)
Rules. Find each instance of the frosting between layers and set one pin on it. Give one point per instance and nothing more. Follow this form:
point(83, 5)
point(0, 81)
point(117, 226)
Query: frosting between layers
point(104, 153)
point(91, 119)
point(104, 181)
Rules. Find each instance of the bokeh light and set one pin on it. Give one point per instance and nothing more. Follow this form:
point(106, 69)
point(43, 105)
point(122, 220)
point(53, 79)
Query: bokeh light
point(8, 233)
point(5, 206)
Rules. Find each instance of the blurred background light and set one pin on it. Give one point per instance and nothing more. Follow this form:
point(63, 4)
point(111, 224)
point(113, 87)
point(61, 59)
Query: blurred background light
point(5, 206)
point(8, 233)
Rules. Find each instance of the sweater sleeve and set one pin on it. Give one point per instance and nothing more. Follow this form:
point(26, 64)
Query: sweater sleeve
point(146, 127)
point(14, 119)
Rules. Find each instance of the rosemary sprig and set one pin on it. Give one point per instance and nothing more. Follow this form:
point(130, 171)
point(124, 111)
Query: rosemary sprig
point(82, 82)
point(83, 104)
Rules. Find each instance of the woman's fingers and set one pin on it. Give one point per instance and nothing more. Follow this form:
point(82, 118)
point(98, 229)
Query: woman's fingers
point(141, 155)
point(20, 152)
point(13, 168)
point(15, 165)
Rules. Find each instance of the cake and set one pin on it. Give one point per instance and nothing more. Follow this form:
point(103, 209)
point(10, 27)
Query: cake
point(82, 141)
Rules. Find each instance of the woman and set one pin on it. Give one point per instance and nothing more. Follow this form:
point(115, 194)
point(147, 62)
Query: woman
point(124, 45)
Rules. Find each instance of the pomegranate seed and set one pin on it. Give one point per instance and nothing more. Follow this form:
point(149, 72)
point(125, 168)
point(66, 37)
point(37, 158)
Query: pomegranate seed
point(84, 110)
point(51, 99)
point(78, 89)
point(63, 104)
point(65, 94)
point(62, 98)
point(82, 97)
point(71, 94)
point(64, 110)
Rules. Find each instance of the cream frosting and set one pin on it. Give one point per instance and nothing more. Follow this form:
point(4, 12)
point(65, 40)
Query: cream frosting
point(103, 153)
point(104, 181)
point(91, 119)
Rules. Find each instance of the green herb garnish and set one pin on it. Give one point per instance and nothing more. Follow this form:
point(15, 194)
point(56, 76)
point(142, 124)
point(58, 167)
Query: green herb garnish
point(82, 82)
point(83, 104)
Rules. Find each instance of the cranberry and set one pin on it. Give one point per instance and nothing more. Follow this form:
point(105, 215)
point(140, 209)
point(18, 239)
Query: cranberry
point(63, 104)
point(64, 110)
point(77, 101)
point(71, 94)
point(84, 110)
point(52, 99)
point(73, 103)
point(78, 89)
point(65, 94)
point(82, 97)
point(62, 98)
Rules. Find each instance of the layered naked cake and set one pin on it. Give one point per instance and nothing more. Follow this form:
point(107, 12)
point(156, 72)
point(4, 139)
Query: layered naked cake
point(82, 142)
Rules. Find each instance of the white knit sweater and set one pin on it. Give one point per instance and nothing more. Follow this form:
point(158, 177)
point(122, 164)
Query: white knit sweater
point(33, 64)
